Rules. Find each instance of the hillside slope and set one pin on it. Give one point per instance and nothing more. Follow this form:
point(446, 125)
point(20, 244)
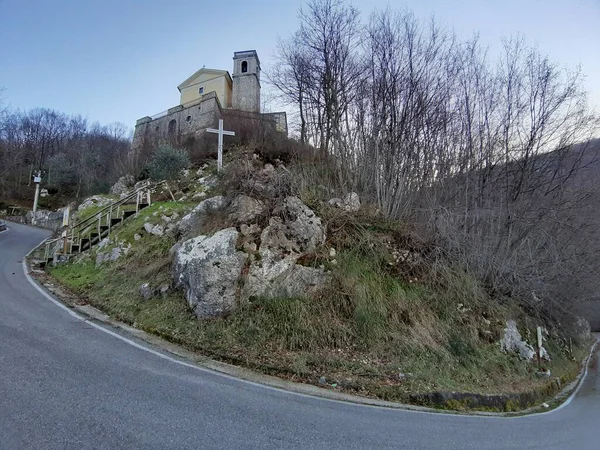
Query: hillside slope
point(271, 273)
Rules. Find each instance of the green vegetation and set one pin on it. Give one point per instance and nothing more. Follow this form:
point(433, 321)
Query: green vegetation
point(167, 162)
point(375, 331)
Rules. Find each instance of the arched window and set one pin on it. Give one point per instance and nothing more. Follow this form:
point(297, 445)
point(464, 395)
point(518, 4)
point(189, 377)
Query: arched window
point(244, 66)
point(172, 127)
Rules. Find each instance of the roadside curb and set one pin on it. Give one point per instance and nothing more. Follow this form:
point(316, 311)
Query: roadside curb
point(180, 355)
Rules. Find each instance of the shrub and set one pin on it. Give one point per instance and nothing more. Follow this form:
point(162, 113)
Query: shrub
point(167, 162)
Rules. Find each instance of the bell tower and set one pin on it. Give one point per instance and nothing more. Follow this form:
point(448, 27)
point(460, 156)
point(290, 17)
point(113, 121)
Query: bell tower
point(246, 81)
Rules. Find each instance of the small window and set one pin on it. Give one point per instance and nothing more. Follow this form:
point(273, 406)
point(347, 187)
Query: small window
point(156, 129)
point(201, 90)
point(244, 66)
point(188, 118)
point(172, 127)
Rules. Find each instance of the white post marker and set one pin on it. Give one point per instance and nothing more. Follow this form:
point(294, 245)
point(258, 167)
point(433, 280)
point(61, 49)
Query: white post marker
point(37, 179)
point(221, 132)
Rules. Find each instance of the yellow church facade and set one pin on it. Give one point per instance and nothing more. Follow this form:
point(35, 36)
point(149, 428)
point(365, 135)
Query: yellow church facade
point(205, 81)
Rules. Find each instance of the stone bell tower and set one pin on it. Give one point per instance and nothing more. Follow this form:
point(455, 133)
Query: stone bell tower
point(246, 81)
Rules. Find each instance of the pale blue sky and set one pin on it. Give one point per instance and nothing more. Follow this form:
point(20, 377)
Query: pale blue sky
point(119, 60)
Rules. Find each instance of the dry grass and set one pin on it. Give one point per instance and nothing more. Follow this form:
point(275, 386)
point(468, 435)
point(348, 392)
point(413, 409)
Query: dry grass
point(381, 328)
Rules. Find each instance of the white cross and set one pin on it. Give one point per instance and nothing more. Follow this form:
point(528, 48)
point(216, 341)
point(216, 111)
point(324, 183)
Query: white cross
point(220, 132)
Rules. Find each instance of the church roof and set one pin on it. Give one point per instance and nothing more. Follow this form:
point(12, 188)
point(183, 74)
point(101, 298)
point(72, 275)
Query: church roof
point(215, 72)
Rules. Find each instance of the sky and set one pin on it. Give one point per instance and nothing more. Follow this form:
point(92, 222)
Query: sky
point(120, 60)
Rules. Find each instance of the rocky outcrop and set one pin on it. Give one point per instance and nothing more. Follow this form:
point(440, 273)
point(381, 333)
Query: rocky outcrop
point(123, 185)
point(194, 220)
point(244, 209)
point(208, 269)
point(301, 226)
point(513, 343)
point(112, 254)
point(296, 232)
point(157, 230)
point(215, 275)
point(350, 203)
point(95, 200)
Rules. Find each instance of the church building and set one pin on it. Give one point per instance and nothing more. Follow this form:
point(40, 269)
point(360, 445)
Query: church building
point(207, 96)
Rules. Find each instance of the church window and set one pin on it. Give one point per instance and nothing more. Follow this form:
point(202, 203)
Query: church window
point(172, 127)
point(244, 66)
point(201, 90)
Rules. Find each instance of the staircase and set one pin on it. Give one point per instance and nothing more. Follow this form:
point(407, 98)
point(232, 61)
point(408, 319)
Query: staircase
point(87, 233)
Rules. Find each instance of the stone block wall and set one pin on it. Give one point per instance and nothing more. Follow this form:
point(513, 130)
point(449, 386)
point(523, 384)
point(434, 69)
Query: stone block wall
point(246, 92)
point(179, 123)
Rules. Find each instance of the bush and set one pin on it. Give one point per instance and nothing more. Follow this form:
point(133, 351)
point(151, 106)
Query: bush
point(167, 162)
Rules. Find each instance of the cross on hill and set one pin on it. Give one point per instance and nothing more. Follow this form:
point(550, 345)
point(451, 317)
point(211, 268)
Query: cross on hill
point(221, 132)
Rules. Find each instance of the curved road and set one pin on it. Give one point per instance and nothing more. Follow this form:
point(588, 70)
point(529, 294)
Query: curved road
point(67, 385)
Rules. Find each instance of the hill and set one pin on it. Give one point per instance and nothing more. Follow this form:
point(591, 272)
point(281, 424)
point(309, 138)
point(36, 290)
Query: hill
point(280, 270)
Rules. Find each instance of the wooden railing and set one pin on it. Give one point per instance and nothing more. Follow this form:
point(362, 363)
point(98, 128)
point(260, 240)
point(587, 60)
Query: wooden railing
point(88, 232)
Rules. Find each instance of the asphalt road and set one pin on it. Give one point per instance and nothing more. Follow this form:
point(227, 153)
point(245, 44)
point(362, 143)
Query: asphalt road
point(66, 385)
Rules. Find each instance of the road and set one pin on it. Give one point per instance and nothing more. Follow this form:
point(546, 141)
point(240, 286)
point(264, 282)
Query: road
point(64, 384)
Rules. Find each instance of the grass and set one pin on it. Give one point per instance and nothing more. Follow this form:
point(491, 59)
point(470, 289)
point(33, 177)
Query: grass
point(374, 331)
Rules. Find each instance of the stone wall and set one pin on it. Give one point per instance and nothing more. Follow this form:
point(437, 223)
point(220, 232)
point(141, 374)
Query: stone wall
point(246, 92)
point(279, 119)
point(179, 123)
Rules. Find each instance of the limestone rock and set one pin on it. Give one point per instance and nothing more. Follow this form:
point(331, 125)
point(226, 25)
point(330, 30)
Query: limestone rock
point(248, 230)
point(112, 255)
point(245, 209)
point(250, 247)
point(512, 342)
point(146, 291)
point(95, 200)
point(157, 230)
point(208, 270)
point(123, 185)
point(283, 242)
point(304, 228)
point(194, 219)
point(336, 202)
point(351, 202)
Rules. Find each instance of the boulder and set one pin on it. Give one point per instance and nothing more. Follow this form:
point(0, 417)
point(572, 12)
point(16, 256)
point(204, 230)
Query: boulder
point(245, 209)
point(111, 255)
point(123, 185)
point(248, 230)
point(157, 230)
point(146, 291)
point(350, 203)
point(208, 269)
point(95, 200)
point(336, 202)
point(303, 227)
point(298, 231)
point(196, 217)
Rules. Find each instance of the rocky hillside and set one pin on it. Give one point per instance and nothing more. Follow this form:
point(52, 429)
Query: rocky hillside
point(272, 267)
